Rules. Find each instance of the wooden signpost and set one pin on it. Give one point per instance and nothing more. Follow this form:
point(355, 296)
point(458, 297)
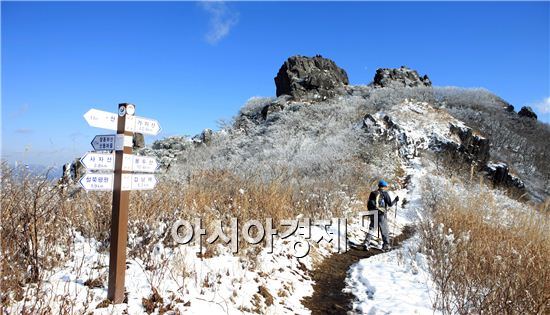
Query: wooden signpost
point(121, 181)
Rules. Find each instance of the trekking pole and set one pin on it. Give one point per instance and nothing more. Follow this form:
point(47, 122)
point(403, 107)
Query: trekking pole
point(394, 224)
point(378, 227)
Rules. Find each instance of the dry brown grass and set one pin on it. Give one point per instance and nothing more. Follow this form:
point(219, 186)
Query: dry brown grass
point(484, 260)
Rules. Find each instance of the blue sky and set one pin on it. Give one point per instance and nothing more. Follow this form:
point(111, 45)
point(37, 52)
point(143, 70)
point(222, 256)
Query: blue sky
point(189, 64)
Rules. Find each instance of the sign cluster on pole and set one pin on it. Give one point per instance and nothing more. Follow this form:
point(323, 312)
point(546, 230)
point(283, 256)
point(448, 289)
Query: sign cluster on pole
point(113, 167)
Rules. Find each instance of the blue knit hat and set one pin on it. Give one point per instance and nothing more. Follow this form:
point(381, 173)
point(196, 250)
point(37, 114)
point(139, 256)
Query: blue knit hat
point(382, 183)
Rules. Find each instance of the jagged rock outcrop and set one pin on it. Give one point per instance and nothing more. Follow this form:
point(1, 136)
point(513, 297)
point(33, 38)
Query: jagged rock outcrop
point(474, 145)
point(419, 126)
point(400, 77)
point(528, 112)
point(500, 175)
point(139, 141)
point(311, 78)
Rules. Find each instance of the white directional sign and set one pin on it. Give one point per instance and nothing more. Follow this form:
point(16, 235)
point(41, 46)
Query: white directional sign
point(106, 162)
point(137, 163)
point(143, 125)
point(100, 119)
point(138, 181)
point(98, 161)
point(97, 181)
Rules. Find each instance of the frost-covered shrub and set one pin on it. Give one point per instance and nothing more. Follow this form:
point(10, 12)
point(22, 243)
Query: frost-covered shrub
point(381, 98)
point(308, 145)
point(474, 98)
point(254, 105)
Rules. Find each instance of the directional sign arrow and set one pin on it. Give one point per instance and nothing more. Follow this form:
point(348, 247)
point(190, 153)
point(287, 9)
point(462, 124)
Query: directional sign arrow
point(104, 142)
point(111, 142)
point(97, 181)
point(101, 119)
point(138, 181)
point(98, 161)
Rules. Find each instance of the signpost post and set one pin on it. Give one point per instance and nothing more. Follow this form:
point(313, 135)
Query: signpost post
point(121, 181)
point(119, 217)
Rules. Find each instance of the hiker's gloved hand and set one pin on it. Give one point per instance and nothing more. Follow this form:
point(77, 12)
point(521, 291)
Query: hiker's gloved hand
point(396, 199)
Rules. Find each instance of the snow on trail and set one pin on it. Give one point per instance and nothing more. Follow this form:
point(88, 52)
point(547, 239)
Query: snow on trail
point(396, 282)
point(392, 283)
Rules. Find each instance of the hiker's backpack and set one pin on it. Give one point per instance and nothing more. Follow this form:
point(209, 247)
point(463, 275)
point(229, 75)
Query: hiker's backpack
point(376, 201)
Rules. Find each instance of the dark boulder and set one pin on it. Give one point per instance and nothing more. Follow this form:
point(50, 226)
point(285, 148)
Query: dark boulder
point(206, 136)
point(78, 169)
point(500, 175)
point(277, 105)
point(139, 141)
point(271, 108)
point(507, 107)
point(528, 112)
point(310, 78)
point(400, 77)
point(72, 172)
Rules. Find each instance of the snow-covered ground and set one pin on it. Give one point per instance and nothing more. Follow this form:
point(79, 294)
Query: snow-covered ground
point(396, 282)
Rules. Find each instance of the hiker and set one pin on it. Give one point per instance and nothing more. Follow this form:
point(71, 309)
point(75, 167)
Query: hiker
point(380, 200)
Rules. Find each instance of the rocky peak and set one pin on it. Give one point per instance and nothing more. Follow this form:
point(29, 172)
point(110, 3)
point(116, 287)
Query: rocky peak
point(528, 112)
point(400, 77)
point(315, 78)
